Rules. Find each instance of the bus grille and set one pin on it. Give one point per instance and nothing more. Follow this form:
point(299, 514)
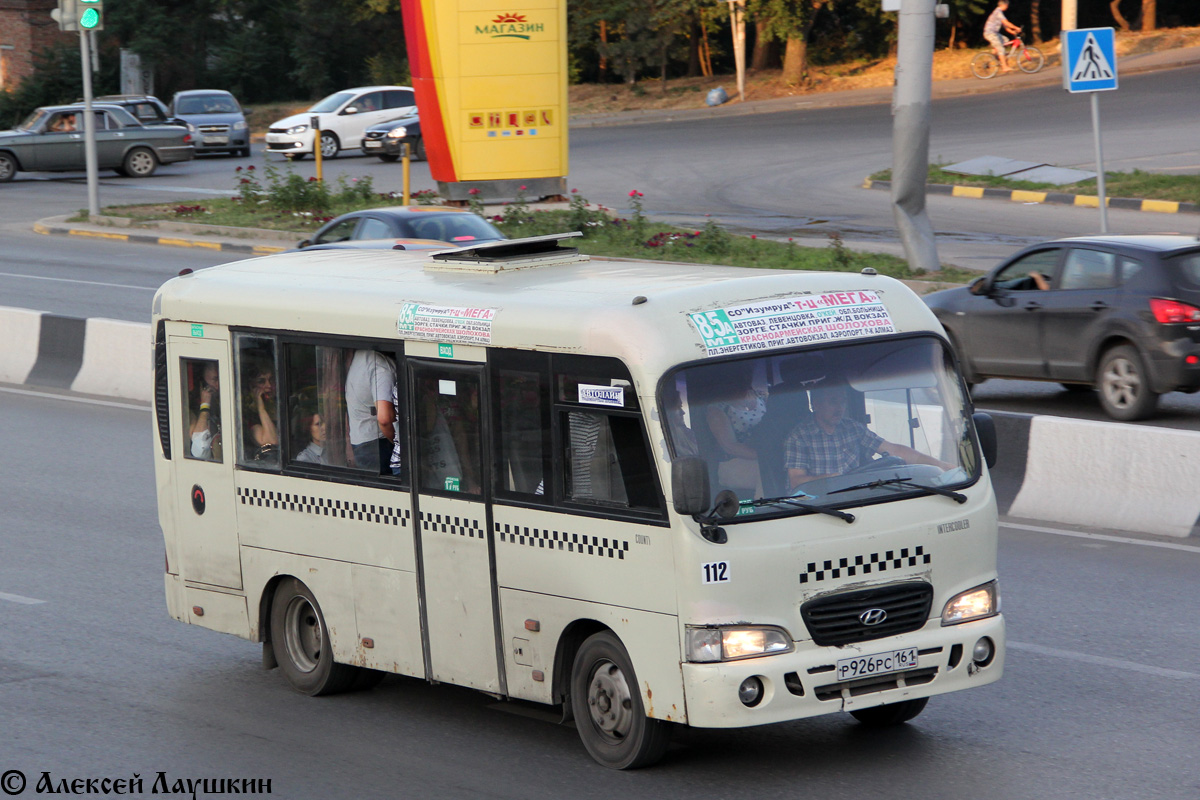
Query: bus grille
point(834, 619)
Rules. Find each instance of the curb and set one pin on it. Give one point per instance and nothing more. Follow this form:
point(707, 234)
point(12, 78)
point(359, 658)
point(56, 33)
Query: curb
point(144, 238)
point(1049, 198)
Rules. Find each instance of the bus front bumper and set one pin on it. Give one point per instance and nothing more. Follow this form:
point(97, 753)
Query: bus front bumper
point(804, 683)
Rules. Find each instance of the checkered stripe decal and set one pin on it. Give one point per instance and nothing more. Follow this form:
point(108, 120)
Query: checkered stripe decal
point(325, 507)
point(562, 540)
point(444, 523)
point(865, 565)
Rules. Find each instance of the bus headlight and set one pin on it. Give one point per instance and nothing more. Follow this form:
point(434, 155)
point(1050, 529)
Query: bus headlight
point(730, 644)
point(982, 601)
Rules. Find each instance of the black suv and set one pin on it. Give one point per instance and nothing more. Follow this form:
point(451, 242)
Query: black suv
point(1117, 313)
point(148, 109)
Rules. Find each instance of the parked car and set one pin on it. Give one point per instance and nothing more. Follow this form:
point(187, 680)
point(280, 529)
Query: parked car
point(51, 140)
point(437, 225)
point(387, 139)
point(343, 116)
point(215, 119)
point(147, 108)
point(1117, 313)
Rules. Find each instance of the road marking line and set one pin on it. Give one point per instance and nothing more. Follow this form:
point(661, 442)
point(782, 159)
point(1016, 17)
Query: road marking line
point(1116, 663)
point(16, 598)
point(73, 280)
point(1103, 537)
point(85, 400)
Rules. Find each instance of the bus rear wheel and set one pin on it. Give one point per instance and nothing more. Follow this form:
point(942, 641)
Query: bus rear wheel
point(301, 643)
point(891, 714)
point(608, 707)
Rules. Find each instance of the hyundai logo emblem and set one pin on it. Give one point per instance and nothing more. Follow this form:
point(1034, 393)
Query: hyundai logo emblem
point(872, 616)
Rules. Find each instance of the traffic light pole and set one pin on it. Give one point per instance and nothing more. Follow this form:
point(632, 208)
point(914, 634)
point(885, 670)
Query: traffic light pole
point(89, 125)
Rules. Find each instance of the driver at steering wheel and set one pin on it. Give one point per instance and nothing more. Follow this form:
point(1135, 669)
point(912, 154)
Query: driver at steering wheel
point(830, 444)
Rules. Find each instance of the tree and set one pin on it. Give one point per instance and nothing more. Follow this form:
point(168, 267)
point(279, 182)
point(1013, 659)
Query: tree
point(789, 21)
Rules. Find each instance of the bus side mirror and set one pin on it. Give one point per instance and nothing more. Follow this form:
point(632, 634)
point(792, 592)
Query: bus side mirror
point(985, 427)
point(689, 485)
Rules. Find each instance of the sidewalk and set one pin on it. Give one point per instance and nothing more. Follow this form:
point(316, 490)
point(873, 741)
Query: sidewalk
point(957, 87)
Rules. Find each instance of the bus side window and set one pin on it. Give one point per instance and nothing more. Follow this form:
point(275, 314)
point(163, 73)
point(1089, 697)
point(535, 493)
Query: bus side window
point(607, 462)
point(522, 402)
point(202, 409)
point(258, 403)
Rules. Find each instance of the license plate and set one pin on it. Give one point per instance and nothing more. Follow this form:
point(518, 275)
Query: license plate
point(849, 669)
point(370, 143)
point(216, 140)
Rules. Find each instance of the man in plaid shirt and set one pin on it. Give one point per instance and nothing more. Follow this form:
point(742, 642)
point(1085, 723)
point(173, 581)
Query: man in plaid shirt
point(829, 444)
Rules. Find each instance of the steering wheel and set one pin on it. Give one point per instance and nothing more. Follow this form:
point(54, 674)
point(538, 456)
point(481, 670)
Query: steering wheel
point(886, 462)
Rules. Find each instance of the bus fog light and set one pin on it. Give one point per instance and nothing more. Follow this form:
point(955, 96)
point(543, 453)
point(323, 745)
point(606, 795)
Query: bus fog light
point(978, 603)
point(984, 652)
point(751, 691)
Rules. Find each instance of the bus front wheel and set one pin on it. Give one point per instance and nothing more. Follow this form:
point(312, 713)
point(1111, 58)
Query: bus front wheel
point(301, 643)
point(608, 707)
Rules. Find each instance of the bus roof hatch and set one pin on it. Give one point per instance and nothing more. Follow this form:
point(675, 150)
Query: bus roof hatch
point(510, 254)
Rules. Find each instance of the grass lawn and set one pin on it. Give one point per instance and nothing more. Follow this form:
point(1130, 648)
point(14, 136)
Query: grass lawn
point(1136, 184)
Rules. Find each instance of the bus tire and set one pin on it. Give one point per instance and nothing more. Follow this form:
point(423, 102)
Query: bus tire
point(301, 643)
point(608, 707)
point(891, 714)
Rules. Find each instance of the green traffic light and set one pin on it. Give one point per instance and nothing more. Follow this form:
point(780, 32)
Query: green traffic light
point(89, 19)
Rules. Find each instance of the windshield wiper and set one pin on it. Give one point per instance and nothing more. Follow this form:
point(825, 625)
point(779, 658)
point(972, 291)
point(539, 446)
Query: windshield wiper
point(890, 483)
point(791, 501)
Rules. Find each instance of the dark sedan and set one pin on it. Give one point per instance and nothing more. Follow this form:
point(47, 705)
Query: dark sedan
point(1120, 314)
point(386, 139)
point(451, 227)
point(51, 139)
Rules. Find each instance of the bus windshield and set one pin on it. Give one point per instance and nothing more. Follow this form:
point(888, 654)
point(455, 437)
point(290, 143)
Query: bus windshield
point(825, 428)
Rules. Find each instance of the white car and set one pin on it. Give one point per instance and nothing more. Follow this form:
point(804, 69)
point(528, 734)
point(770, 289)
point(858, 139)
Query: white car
point(343, 116)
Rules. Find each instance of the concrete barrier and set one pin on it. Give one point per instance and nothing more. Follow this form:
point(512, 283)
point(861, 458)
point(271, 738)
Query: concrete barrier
point(103, 357)
point(1076, 472)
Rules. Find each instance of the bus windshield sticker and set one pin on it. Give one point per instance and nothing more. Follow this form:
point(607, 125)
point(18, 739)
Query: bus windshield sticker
point(792, 321)
point(612, 396)
point(448, 324)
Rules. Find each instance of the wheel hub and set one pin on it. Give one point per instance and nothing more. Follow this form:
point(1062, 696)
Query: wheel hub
point(1121, 383)
point(303, 634)
point(610, 702)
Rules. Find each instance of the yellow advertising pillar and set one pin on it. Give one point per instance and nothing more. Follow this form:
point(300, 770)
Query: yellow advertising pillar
point(491, 85)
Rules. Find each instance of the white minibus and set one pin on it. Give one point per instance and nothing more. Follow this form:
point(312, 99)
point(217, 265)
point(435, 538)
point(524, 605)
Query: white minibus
point(646, 494)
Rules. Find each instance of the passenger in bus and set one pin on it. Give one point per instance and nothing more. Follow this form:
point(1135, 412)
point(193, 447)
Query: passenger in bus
point(732, 418)
point(205, 428)
point(830, 444)
point(258, 414)
point(370, 387)
point(311, 428)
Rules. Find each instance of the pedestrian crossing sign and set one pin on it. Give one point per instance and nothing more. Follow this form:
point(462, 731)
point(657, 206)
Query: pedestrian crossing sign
point(1089, 60)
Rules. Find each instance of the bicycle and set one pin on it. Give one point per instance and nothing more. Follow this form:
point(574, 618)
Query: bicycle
point(1029, 59)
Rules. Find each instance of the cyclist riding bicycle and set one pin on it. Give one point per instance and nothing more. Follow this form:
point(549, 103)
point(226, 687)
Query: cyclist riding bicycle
point(992, 31)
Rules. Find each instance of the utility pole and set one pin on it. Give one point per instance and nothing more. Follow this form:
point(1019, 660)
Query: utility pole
point(910, 132)
point(737, 20)
point(1069, 22)
point(89, 126)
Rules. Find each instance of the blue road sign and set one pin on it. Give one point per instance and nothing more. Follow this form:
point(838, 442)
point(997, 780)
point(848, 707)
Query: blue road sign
point(1090, 60)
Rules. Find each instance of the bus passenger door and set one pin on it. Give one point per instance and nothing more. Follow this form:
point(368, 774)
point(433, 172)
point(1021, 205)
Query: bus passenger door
point(457, 554)
point(203, 424)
